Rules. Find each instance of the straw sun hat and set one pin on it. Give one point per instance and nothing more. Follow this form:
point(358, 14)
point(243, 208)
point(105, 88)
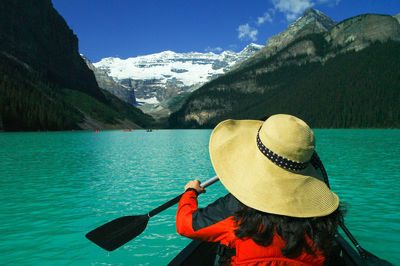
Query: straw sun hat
point(266, 166)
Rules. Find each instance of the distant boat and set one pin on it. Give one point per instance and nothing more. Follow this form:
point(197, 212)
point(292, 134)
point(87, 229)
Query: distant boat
point(127, 130)
point(96, 131)
point(149, 130)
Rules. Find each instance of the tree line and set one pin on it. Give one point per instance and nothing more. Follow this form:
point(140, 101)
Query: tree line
point(29, 102)
point(352, 90)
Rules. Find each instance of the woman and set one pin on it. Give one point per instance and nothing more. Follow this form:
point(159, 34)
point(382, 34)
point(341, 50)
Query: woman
point(278, 211)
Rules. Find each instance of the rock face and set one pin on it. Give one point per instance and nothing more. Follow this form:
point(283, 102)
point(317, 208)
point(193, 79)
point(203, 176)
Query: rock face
point(358, 32)
point(125, 93)
point(329, 38)
point(158, 78)
point(351, 34)
point(312, 21)
point(44, 82)
point(312, 44)
point(36, 34)
point(397, 17)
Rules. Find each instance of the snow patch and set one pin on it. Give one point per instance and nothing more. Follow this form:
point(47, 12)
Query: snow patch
point(152, 100)
point(193, 67)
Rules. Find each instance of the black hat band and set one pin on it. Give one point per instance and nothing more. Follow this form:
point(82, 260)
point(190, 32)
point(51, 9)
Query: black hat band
point(279, 160)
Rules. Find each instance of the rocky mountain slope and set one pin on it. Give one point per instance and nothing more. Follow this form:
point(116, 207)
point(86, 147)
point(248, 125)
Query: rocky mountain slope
point(359, 55)
point(107, 83)
point(397, 17)
point(312, 21)
point(159, 78)
point(44, 83)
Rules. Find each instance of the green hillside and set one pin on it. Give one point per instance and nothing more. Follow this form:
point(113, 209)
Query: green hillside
point(30, 102)
point(352, 90)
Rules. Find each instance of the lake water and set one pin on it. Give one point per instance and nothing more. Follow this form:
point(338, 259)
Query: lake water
point(57, 186)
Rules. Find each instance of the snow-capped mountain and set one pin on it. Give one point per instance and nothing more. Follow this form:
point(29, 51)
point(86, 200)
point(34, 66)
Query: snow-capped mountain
point(161, 76)
point(109, 84)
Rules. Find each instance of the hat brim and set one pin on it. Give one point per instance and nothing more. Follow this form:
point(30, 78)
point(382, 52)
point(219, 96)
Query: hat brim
point(259, 183)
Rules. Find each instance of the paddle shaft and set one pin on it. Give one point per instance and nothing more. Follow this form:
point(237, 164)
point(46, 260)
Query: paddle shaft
point(360, 250)
point(316, 161)
point(116, 233)
point(175, 200)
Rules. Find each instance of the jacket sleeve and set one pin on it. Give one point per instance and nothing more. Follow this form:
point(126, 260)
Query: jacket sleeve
point(213, 223)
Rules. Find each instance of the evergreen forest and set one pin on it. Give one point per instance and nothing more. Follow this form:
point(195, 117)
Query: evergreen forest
point(30, 102)
point(351, 90)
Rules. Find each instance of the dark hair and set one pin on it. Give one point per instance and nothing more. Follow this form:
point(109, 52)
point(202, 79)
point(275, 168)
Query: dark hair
point(261, 227)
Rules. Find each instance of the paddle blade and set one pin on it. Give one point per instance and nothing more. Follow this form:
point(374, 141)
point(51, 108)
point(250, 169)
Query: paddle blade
point(116, 233)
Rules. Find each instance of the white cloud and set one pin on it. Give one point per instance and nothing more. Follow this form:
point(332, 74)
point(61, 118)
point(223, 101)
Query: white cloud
point(245, 31)
point(336, 3)
point(266, 17)
point(213, 49)
point(330, 2)
point(292, 8)
point(233, 47)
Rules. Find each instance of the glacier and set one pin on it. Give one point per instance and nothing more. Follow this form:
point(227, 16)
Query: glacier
point(189, 68)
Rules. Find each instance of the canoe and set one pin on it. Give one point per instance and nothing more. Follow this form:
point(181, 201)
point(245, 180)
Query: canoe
point(203, 253)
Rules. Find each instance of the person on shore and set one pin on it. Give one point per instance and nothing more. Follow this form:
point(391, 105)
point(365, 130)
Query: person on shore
point(278, 211)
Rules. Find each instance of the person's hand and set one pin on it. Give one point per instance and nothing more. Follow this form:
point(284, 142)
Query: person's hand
point(196, 185)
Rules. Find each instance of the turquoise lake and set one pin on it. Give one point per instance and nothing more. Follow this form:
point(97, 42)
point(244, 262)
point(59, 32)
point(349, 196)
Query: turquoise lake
point(57, 186)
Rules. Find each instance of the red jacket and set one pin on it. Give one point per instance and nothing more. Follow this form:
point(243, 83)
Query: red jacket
point(215, 224)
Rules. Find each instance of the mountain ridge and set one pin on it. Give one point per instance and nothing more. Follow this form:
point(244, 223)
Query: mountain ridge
point(216, 100)
point(161, 77)
point(44, 82)
point(107, 83)
point(168, 56)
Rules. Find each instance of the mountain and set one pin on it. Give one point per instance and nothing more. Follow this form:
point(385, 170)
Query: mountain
point(44, 82)
point(312, 21)
point(159, 78)
point(107, 83)
point(330, 74)
point(34, 33)
point(397, 17)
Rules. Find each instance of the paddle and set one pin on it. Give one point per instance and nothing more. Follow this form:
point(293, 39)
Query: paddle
point(116, 233)
point(317, 163)
point(366, 257)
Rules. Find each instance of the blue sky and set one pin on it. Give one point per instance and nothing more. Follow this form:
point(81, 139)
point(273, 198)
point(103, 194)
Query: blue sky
point(129, 28)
